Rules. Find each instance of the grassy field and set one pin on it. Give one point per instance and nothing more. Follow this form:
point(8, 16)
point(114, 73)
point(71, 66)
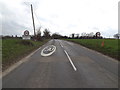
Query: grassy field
point(15, 49)
point(110, 47)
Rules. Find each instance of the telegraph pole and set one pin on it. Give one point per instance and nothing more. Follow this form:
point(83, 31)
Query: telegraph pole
point(33, 20)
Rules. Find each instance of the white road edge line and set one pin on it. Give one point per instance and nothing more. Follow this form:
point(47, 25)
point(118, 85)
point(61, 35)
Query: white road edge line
point(70, 61)
point(11, 68)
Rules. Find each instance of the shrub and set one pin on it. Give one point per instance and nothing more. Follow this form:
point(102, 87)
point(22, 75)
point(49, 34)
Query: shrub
point(26, 42)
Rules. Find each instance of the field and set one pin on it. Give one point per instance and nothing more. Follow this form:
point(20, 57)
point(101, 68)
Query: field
point(106, 46)
point(15, 49)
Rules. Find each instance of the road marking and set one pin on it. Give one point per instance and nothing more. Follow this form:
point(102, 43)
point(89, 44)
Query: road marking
point(61, 45)
point(53, 50)
point(70, 61)
point(11, 68)
point(91, 50)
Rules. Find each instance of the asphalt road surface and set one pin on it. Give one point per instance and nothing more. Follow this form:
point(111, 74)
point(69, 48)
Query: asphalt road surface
point(70, 66)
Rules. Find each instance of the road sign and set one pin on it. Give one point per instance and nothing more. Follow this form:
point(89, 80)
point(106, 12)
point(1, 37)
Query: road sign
point(26, 35)
point(98, 34)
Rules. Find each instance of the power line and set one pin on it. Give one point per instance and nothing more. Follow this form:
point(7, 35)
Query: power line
point(38, 20)
point(34, 13)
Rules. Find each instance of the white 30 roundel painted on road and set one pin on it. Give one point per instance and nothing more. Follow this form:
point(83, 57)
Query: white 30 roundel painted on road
point(49, 50)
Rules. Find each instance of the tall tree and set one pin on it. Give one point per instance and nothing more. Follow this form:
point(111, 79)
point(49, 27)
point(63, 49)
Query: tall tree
point(73, 35)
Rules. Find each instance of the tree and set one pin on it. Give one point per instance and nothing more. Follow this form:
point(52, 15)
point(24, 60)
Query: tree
point(73, 35)
point(46, 33)
point(77, 36)
point(65, 37)
point(38, 35)
point(117, 35)
point(16, 36)
point(56, 36)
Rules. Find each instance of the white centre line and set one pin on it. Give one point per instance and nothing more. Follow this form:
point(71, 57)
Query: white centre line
point(61, 45)
point(70, 61)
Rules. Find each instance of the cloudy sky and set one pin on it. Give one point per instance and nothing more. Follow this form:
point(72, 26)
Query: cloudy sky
point(61, 16)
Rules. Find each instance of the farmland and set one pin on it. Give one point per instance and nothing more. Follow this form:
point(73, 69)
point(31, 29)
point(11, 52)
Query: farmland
point(110, 46)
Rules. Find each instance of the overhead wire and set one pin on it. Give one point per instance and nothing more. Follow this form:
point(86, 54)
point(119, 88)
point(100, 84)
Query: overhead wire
point(35, 16)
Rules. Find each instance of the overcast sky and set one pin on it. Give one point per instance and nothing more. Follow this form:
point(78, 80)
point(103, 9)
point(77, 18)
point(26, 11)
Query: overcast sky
point(61, 16)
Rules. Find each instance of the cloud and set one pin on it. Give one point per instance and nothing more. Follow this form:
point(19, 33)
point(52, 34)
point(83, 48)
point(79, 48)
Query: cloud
point(62, 16)
point(109, 32)
point(10, 28)
point(95, 28)
point(15, 19)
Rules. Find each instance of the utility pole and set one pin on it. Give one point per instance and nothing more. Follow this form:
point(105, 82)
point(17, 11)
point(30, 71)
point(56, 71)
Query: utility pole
point(33, 20)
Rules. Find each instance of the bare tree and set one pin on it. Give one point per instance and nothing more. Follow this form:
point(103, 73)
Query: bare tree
point(38, 35)
point(46, 33)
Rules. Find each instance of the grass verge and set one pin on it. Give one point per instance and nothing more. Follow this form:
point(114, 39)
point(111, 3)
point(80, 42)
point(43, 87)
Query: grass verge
point(15, 49)
point(110, 47)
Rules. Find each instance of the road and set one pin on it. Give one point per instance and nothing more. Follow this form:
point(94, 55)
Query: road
point(70, 66)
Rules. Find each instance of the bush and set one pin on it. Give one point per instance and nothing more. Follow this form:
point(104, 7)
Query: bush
point(26, 42)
